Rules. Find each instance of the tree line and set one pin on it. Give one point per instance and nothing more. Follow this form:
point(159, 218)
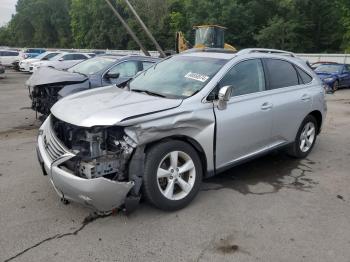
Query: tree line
point(296, 25)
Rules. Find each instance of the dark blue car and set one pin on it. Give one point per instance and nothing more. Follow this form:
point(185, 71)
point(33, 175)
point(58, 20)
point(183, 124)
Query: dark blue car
point(334, 75)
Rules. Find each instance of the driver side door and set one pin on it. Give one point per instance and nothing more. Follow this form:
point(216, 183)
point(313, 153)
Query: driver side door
point(120, 73)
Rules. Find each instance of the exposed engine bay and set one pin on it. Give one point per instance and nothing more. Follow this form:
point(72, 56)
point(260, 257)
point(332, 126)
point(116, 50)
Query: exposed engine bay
point(44, 97)
point(100, 151)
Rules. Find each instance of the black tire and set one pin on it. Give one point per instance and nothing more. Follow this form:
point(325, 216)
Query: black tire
point(295, 150)
point(335, 86)
point(151, 188)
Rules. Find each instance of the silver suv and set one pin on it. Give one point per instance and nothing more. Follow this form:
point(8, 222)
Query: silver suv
point(188, 117)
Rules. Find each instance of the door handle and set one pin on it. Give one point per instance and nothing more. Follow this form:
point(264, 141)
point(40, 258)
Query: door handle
point(266, 106)
point(306, 97)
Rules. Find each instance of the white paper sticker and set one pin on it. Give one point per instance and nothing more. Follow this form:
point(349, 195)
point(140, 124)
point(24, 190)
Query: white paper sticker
point(198, 77)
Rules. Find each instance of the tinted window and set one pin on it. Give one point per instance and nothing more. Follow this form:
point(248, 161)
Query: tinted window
point(68, 57)
point(125, 69)
point(281, 74)
point(78, 57)
point(305, 78)
point(246, 77)
point(146, 65)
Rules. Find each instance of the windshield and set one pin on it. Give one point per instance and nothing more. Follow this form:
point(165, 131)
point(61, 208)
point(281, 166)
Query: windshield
point(42, 55)
point(93, 65)
point(329, 69)
point(178, 76)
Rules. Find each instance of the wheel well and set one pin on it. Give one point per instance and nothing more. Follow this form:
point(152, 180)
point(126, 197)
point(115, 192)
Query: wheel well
point(318, 116)
point(189, 141)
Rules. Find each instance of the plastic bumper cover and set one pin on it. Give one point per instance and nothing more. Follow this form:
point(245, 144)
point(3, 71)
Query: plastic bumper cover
point(100, 193)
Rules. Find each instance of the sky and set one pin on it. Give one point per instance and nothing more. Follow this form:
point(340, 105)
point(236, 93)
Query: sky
point(7, 8)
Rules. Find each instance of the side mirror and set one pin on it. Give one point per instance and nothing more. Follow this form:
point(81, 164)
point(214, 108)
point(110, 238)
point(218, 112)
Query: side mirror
point(44, 59)
point(224, 96)
point(111, 75)
point(61, 59)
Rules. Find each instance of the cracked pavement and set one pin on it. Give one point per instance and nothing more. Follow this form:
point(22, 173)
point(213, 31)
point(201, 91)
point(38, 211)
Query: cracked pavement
point(271, 209)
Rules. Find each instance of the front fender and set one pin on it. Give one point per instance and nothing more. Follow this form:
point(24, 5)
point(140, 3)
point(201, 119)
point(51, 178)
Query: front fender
point(75, 88)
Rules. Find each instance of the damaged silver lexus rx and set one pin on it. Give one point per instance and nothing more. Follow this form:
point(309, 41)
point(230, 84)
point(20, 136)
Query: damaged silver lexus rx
point(188, 117)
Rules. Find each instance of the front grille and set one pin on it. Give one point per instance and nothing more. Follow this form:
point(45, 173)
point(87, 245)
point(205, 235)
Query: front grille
point(54, 148)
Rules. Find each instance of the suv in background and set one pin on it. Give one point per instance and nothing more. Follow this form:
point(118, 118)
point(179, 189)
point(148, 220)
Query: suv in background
point(9, 57)
point(189, 116)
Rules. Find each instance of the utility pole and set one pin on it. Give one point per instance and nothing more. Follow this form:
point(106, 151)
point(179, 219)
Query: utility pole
point(137, 40)
point(149, 34)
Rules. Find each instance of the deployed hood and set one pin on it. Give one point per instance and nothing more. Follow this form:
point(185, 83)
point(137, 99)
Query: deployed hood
point(108, 106)
point(48, 75)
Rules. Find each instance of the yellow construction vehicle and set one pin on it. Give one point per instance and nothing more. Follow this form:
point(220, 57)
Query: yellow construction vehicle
point(210, 36)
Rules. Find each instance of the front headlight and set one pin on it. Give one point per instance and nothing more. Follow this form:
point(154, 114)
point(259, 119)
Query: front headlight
point(329, 79)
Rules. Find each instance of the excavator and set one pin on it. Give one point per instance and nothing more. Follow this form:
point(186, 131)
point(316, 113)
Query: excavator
point(206, 36)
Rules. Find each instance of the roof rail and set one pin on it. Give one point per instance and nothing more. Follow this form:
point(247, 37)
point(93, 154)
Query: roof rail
point(265, 50)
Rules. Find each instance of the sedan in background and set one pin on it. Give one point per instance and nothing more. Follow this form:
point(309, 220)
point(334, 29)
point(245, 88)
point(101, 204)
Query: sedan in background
point(47, 85)
point(25, 64)
point(62, 61)
point(334, 75)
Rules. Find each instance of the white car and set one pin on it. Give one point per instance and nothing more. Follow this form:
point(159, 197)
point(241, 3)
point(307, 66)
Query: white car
point(62, 61)
point(8, 57)
point(25, 64)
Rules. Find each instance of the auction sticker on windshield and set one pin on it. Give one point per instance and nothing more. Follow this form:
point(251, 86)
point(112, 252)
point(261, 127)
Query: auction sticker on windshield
point(198, 77)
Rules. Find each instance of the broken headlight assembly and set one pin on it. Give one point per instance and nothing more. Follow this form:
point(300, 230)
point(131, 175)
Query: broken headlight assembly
point(100, 151)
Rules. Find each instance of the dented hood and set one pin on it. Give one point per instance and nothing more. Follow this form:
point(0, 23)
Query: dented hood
point(108, 106)
point(48, 75)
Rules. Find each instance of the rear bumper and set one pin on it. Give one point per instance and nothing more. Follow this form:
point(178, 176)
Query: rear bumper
point(100, 194)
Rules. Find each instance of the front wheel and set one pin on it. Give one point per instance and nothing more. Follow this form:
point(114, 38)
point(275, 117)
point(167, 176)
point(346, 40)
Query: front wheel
point(335, 86)
point(173, 174)
point(305, 138)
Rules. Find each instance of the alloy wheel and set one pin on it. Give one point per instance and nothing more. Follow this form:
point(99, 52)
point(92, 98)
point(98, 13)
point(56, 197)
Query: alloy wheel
point(176, 175)
point(307, 137)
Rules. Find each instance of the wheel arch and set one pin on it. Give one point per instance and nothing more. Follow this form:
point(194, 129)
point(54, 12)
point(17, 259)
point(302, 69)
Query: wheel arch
point(318, 116)
point(192, 142)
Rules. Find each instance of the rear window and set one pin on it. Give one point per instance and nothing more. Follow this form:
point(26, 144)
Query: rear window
point(305, 77)
point(281, 74)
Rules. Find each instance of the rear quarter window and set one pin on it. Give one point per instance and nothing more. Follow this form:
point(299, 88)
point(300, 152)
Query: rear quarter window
point(281, 74)
point(305, 77)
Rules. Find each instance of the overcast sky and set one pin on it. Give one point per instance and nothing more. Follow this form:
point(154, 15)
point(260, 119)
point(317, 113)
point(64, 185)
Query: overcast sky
point(7, 8)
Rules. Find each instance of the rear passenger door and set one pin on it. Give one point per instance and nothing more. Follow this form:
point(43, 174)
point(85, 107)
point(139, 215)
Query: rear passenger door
point(291, 95)
point(243, 129)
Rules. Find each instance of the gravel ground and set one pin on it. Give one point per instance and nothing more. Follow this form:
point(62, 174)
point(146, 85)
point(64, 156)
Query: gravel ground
point(271, 209)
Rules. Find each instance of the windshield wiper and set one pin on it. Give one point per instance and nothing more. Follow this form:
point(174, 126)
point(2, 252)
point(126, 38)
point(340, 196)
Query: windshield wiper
point(148, 92)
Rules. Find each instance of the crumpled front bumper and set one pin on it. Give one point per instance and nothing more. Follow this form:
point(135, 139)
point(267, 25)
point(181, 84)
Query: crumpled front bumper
point(100, 194)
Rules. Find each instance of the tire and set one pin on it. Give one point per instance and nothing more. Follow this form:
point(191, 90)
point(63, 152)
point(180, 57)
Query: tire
point(302, 145)
point(163, 185)
point(335, 86)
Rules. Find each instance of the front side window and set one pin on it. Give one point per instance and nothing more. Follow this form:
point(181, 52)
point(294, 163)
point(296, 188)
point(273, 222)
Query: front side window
point(180, 76)
point(281, 74)
point(146, 65)
point(78, 57)
point(125, 69)
point(246, 77)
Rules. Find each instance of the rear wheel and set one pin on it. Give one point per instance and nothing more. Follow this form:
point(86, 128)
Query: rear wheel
point(305, 138)
point(173, 174)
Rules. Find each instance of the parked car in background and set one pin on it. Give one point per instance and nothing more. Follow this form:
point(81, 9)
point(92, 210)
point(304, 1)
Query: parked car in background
point(2, 70)
point(317, 64)
point(25, 64)
point(189, 116)
point(47, 85)
point(31, 52)
point(27, 53)
point(334, 75)
point(62, 61)
point(8, 57)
